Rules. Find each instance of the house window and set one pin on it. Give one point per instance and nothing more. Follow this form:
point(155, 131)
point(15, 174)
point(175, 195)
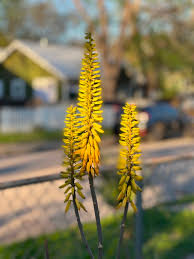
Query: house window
point(45, 89)
point(17, 89)
point(1, 89)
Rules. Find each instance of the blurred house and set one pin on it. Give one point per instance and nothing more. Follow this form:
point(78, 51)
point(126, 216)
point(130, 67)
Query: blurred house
point(131, 84)
point(38, 73)
point(13, 89)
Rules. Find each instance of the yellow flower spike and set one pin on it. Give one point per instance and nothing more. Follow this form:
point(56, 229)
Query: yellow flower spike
point(71, 161)
point(130, 153)
point(89, 108)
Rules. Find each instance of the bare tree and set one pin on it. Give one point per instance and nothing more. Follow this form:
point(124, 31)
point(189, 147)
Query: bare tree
point(111, 60)
point(12, 15)
point(23, 19)
point(45, 20)
point(166, 14)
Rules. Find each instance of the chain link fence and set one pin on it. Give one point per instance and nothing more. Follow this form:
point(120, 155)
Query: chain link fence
point(167, 199)
point(34, 207)
point(32, 211)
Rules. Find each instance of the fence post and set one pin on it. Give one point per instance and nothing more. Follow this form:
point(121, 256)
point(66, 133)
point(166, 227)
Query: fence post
point(139, 226)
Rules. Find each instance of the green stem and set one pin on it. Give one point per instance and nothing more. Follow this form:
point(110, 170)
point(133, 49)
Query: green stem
point(81, 228)
point(46, 249)
point(97, 215)
point(122, 228)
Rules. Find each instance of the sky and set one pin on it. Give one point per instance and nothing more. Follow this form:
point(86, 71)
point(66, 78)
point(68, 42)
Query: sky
point(65, 7)
point(77, 31)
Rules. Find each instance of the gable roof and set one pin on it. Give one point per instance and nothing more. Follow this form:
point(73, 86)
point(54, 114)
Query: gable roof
point(62, 61)
point(66, 59)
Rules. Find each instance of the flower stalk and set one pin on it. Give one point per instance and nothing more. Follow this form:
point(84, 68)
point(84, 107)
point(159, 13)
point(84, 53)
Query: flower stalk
point(90, 117)
point(72, 175)
point(82, 148)
point(129, 164)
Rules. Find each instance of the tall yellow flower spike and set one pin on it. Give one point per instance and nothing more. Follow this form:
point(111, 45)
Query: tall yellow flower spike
point(71, 161)
point(129, 157)
point(89, 107)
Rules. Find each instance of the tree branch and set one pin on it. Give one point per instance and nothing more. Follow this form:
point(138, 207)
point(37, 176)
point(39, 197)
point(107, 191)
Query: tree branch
point(81, 10)
point(130, 11)
point(103, 16)
point(102, 38)
point(161, 11)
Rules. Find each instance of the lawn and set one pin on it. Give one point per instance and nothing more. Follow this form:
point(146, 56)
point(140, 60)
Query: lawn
point(36, 135)
point(167, 235)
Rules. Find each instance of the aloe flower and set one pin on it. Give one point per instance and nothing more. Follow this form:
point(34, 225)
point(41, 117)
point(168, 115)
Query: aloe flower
point(129, 162)
point(89, 107)
point(90, 118)
point(72, 164)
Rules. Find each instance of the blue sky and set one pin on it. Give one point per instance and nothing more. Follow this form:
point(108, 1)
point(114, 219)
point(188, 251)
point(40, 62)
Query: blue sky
point(62, 5)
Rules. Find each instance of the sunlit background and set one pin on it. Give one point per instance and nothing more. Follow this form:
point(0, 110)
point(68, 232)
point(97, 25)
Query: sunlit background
point(146, 51)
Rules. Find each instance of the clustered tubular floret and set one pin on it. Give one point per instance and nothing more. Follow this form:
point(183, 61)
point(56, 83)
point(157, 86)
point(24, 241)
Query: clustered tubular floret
point(89, 107)
point(129, 162)
point(72, 162)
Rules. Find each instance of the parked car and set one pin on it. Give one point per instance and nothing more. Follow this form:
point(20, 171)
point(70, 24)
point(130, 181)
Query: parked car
point(158, 121)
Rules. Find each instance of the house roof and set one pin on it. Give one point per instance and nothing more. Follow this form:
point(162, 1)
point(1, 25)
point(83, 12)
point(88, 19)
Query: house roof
point(66, 59)
point(63, 61)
